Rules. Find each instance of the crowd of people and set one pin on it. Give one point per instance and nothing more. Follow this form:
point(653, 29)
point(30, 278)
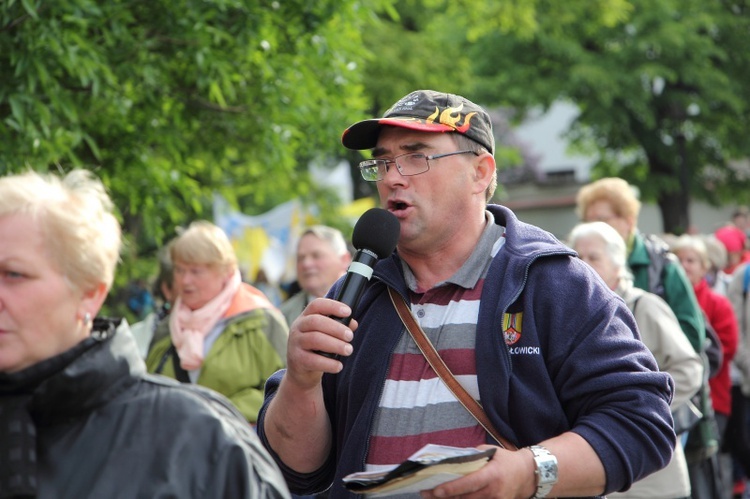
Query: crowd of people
point(612, 363)
point(692, 273)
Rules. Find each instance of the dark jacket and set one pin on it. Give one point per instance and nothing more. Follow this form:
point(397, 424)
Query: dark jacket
point(105, 428)
point(578, 364)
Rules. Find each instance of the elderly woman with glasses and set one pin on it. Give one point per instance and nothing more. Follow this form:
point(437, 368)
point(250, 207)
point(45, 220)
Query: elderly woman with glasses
point(222, 333)
point(79, 416)
point(602, 247)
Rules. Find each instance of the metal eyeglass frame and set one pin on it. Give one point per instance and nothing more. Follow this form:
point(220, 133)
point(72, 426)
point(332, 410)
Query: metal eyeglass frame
point(374, 165)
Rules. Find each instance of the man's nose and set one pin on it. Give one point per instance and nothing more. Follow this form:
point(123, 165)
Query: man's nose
point(393, 175)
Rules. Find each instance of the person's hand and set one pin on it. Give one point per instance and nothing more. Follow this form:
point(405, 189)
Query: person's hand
point(508, 475)
point(314, 331)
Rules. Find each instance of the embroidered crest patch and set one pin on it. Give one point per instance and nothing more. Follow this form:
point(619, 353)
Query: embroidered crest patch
point(512, 326)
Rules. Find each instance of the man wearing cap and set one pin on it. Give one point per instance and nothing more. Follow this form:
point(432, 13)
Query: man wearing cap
point(525, 327)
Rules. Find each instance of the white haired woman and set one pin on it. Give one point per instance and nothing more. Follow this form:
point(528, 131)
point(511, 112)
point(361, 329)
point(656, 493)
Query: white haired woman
point(602, 247)
point(222, 333)
point(79, 416)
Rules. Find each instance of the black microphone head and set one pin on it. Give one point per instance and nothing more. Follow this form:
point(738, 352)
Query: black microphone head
point(377, 230)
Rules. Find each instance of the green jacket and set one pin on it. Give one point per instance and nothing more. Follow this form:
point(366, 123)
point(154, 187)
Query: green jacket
point(251, 347)
point(678, 292)
point(703, 440)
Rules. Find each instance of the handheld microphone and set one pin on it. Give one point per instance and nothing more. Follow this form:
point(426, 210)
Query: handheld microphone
point(375, 236)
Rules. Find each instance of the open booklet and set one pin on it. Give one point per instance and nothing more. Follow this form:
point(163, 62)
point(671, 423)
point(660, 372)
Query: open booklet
point(424, 470)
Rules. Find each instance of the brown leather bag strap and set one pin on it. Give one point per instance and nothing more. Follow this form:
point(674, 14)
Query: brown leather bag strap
point(442, 370)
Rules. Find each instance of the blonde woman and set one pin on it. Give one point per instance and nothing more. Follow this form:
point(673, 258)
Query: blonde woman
point(612, 200)
point(79, 416)
point(223, 334)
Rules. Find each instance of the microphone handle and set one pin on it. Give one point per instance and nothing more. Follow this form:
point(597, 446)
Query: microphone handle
point(357, 276)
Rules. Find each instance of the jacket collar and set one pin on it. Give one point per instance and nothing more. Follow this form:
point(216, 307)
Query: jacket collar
point(638, 255)
point(107, 364)
point(524, 243)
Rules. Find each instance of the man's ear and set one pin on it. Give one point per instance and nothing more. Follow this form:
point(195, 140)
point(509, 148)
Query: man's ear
point(484, 169)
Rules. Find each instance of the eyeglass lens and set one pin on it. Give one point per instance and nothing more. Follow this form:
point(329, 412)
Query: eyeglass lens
point(407, 164)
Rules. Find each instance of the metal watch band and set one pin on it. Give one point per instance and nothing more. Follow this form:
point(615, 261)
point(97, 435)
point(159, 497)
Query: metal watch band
point(545, 470)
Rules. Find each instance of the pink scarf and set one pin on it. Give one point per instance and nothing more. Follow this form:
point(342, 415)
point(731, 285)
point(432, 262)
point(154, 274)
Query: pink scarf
point(188, 327)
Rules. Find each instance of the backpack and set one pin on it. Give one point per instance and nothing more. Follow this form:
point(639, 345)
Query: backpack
point(703, 438)
point(659, 256)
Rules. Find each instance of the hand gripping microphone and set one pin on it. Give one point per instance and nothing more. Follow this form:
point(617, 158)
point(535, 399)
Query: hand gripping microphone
point(375, 236)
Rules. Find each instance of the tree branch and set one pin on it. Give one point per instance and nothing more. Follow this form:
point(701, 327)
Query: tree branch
point(14, 23)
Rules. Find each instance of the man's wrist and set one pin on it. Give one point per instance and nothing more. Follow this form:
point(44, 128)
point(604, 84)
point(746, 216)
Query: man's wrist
point(545, 471)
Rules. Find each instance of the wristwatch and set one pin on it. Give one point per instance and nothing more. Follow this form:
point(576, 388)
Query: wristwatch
point(545, 472)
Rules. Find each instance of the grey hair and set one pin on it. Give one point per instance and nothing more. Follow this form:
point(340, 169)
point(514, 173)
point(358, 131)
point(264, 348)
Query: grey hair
point(614, 244)
point(694, 243)
point(330, 235)
point(717, 252)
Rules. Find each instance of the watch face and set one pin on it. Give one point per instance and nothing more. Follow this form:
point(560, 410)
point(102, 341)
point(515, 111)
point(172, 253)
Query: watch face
point(548, 470)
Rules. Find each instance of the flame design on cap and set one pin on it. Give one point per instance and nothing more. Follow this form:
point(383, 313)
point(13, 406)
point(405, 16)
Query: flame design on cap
point(451, 117)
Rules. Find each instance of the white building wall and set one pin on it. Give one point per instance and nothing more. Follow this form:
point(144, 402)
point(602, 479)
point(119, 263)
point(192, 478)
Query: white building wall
point(552, 206)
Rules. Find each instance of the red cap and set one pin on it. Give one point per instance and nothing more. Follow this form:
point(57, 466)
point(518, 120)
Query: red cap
point(731, 237)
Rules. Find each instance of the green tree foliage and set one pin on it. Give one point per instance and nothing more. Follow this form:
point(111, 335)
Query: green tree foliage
point(662, 86)
point(170, 101)
point(441, 44)
point(417, 44)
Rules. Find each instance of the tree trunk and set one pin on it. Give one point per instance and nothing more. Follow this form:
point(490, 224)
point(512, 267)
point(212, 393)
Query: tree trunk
point(675, 204)
point(675, 216)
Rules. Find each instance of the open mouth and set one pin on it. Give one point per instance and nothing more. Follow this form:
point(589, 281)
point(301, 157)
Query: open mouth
point(395, 206)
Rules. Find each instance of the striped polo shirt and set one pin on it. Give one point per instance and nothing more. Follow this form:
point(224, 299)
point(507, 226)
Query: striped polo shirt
point(416, 408)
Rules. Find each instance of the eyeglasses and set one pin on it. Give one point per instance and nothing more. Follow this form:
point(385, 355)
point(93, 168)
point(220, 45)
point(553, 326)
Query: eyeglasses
point(408, 164)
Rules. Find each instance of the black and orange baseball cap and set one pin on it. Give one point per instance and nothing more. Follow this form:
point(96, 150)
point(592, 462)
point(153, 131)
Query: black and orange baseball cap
point(426, 111)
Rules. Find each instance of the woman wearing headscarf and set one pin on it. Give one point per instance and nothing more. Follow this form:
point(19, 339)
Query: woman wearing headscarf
point(79, 416)
point(602, 247)
point(222, 333)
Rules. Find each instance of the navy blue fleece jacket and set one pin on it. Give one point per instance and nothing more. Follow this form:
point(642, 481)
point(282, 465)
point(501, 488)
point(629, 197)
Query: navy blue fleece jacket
point(579, 364)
